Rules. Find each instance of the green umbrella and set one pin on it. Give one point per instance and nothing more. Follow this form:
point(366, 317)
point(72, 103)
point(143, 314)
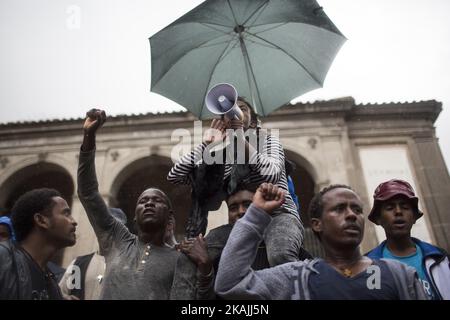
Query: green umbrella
point(271, 51)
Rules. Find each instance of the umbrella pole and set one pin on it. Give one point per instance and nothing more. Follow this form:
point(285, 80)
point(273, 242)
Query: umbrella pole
point(249, 71)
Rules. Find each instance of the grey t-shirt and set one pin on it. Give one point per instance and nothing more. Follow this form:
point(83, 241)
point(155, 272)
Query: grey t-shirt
point(132, 274)
point(133, 271)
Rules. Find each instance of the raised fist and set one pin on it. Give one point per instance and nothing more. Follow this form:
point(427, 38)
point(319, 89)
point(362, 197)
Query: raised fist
point(269, 197)
point(95, 118)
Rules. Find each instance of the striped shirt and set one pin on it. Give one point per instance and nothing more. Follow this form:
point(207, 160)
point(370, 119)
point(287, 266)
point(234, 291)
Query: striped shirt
point(265, 166)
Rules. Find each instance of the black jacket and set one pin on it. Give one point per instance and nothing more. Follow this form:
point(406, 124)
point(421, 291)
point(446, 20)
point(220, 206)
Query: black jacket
point(207, 195)
point(15, 278)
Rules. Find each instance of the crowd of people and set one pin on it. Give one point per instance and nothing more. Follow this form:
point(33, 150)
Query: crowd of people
point(259, 254)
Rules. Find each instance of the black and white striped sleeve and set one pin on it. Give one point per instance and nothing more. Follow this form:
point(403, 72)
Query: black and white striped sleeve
point(179, 173)
point(269, 163)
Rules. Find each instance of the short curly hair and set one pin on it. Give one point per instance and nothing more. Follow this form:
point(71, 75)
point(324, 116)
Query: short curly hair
point(315, 208)
point(30, 203)
point(166, 197)
point(243, 186)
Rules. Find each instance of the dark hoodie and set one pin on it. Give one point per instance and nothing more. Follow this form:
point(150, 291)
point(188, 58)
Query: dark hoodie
point(7, 221)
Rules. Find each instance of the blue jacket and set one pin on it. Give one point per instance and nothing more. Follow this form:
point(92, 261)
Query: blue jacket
point(7, 221)
point(436, 263)
point(292, 192)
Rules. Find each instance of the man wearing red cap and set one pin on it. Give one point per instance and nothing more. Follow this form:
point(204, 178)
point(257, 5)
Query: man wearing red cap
point(396, 209)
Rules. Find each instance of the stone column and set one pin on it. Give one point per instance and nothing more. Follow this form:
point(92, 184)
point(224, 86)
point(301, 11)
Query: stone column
point(370, 239)
point(434, 183)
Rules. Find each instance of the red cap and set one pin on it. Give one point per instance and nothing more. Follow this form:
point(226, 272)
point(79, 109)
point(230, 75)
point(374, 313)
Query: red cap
point(389, 189)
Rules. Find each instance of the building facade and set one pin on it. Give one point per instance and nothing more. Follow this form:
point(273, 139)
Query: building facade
point(335, 141)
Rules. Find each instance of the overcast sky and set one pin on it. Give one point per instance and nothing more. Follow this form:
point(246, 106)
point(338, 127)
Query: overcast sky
point(53, 65)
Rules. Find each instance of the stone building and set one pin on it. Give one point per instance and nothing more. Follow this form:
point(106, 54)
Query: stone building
point(334, 141)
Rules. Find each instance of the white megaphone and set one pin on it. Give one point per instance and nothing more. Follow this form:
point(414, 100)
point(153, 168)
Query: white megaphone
point(222, 99)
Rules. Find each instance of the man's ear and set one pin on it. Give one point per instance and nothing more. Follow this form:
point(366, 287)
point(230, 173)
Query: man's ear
point(316, 225)
point(41, 220)
point(171, 220)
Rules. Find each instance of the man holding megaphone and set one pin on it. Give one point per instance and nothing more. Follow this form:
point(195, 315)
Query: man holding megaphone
point(264, 161)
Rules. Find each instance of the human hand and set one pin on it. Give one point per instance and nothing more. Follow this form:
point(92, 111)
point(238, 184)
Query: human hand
point(269, 197)
point(236, 124)
point(95, 118)
point(216, 132)
point(197, 251)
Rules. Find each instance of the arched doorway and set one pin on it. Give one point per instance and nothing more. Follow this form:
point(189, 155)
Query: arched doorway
point(39, 175)
point(304, 189)
point(145, 173)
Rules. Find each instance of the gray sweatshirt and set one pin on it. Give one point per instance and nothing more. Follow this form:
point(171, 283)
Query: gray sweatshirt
point(131, 273)
point(236, 280)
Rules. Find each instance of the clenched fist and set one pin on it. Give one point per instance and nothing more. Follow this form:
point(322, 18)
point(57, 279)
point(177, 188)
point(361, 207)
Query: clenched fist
point(95, 118)
point(269, 197)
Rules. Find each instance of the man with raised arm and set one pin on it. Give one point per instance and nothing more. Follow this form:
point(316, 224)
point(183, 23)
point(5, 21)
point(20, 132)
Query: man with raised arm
point(137, 266)
point(337, 219)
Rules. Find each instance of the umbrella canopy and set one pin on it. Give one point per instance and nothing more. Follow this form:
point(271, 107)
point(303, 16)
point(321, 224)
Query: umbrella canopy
point(271, 50)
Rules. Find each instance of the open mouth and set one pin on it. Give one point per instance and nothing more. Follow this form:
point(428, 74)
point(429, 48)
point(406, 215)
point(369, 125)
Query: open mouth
point(148, 212)
point(399, 223)
point(352, 230)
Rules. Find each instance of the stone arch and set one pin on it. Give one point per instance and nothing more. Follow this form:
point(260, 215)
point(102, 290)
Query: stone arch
point(305, 183)
point(140, 174)
point(303, 179)
point(308, 159)
point(113, 170)
point(33, 175)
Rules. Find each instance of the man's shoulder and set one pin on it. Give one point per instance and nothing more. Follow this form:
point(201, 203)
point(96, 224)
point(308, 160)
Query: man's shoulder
point(173, 254)
point(221, 229)
point(397, 267)
point(6, 248)
point(87, 258)
point(219, 234)
point(377, 252)
point(6, 256)
point(429, 249)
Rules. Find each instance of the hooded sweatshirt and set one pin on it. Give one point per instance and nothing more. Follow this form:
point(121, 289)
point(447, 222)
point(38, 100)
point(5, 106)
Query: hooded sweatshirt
point(290, 281)
point(7, 221)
